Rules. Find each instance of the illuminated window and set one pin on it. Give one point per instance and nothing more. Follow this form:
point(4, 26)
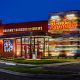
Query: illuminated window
point(71, 17)
point(57, 18)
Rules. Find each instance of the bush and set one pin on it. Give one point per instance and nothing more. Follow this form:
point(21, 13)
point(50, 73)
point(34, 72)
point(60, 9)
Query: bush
point(46, 57)
point(7, 59)
point(76, 55)
point(42, 61)
point(19, 58)
point(2, 58)
point(62, 55)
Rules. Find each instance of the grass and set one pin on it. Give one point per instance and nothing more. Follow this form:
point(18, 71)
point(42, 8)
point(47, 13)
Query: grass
point(24, 69)
point(40, 61)
point(36, 69)
point(43, 61)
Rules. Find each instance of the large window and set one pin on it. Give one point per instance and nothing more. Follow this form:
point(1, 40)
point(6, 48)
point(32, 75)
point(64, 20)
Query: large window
point(32, 46)
point(18, 47)
point(67, 45)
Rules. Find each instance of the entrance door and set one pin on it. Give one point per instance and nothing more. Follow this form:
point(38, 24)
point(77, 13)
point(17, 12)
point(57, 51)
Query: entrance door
point(35, 48)
point(38, 46)
point(26, 51)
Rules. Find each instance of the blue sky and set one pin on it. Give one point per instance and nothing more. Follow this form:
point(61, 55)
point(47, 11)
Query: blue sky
point(12, 11)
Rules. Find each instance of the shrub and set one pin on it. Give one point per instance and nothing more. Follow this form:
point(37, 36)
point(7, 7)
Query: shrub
point(62, 55)
point(19, 58)
point(76, 55)
point(2, 58)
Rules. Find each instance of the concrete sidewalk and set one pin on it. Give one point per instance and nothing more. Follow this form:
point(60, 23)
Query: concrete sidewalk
point(14, 64)
point(43, 65)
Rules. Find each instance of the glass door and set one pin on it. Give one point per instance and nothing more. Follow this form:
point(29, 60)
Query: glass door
point(26, 51)
point(26, 47)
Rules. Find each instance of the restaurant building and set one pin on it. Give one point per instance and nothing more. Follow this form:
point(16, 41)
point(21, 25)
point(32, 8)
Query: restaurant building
point(64, 27)
point(38, 39)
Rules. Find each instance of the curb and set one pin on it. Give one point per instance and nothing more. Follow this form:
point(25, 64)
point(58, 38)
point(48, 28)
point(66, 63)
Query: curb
point(14, 64)
point(59, 64)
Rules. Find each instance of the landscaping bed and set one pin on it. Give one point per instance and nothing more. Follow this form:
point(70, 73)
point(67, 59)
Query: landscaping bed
point(39, 61)
point(43, 61)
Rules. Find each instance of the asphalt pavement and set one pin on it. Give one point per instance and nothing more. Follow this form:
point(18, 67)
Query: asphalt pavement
point(73, 67)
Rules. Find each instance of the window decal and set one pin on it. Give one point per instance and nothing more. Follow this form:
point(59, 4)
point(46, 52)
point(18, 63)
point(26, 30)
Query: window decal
point(8, 45)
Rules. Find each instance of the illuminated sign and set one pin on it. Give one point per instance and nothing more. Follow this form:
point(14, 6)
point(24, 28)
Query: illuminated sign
point(23, 29)
point(8, 46)
point(60, 24)
point(63, 25)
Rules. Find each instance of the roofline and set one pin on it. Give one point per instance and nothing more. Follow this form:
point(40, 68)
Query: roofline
point(63, 11)
point(26, 22)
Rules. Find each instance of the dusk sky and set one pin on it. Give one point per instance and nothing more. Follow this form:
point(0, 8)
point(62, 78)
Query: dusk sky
point(13, 11)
